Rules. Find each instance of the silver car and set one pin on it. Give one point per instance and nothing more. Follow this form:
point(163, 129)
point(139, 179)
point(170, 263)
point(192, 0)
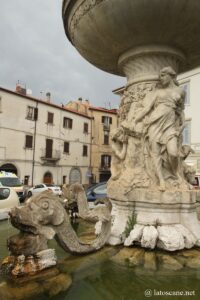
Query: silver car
point(44, 187)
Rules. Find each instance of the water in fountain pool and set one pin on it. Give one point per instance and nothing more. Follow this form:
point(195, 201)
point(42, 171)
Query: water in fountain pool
point(110, 274)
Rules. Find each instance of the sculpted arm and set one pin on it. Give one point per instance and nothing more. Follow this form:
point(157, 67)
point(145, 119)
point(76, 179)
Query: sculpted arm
point(147, 108)
point(119, 153)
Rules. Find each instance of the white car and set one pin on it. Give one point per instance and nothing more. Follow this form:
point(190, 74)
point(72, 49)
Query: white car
point(8, 200)
point(44, 187)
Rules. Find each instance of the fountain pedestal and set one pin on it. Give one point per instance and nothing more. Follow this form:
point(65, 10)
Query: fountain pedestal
point(146, 42)
point(166, 220)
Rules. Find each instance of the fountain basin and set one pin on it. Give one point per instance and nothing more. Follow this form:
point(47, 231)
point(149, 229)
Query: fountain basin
point(103, 31)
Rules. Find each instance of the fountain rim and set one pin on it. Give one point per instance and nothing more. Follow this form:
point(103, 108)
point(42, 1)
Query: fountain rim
point(187, 60)
point(65, 6)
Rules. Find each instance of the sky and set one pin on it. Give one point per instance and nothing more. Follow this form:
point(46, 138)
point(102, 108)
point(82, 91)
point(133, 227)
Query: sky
point(35, 51)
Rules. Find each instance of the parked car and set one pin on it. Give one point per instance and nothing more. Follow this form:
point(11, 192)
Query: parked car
point(8, 200)
point(8, 179)
point(44, 187)
point(97, 191)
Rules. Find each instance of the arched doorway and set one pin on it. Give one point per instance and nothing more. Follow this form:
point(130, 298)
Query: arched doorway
point(48, 178)
point(75, 175)
point(9, 168)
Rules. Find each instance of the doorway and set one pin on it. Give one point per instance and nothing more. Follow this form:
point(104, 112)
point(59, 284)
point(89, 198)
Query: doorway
point(75, 175)
point(48, 178)
point(49, 148)
point(9, 168)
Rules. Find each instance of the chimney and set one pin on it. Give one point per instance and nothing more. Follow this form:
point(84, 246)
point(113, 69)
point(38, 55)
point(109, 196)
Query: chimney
point(48, 96)
point(87, 102)
point(20, 89)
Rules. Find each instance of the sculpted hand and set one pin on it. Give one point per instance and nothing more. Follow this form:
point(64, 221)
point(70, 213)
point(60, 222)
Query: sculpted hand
point(125, 124)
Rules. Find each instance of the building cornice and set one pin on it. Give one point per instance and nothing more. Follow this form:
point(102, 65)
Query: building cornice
point(63, 108)
point(101, 109)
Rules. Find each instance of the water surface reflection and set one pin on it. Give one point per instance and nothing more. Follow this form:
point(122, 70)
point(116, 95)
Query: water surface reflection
point(117, 273)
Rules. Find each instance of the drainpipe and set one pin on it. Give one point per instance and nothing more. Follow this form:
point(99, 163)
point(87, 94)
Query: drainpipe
point(91, 141)
point(34, 140)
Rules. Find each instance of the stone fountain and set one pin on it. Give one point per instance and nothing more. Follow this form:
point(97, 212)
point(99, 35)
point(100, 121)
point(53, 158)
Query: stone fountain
point(149, 42)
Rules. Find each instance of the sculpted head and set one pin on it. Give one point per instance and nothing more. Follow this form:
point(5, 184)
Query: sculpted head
point(40, 214)
point(75, 188)
point(167, 75)
point(118, 135)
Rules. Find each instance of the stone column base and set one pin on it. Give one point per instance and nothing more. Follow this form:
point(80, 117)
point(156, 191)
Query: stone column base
point(21, 265)
point(166, 220)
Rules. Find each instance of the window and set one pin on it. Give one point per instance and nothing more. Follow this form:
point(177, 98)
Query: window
point(64, 179)
point(106, 120)
point(50, 118)
point(186, 88)
point(4, 193)
point(66, 147)
point(39, 186)
point(29, 141)
point(85, 150)
point(105, 161)
point(106, 138)
point(26, 179)
point(85, 127)
point(49, 148)
point(67, 123)
point(0, 104)
point(187, 133)
point(30, 113)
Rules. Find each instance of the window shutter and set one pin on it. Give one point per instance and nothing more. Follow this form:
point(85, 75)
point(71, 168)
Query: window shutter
point(66, 147)
point(36, 114)
point(29, 141)
point(50, 118)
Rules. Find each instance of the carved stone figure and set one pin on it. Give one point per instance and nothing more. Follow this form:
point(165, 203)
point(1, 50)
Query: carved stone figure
point(45, 215)
point(119, 147)
point(98, 215)
point(152, 173)
point(160, 122)
point(188, 171)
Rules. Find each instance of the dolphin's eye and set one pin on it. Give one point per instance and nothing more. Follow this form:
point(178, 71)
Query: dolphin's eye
point(45, 205)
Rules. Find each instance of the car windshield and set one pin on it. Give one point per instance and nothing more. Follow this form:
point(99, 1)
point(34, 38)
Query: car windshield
point(51, 185)
point(10, 181)
point(100, 189)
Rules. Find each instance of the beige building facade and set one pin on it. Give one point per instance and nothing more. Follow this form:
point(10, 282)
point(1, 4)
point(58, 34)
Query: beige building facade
point(103, 121)
point(43, 142)
point(190, 81)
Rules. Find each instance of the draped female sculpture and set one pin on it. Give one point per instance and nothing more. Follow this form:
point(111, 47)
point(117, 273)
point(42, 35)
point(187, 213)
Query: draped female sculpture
point(163, 121)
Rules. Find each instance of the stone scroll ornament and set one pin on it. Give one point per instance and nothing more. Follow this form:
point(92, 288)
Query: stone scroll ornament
point(42, 218)
point(148, 142)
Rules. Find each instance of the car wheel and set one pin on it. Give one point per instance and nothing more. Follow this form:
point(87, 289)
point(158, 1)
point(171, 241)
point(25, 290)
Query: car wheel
point(29, 194)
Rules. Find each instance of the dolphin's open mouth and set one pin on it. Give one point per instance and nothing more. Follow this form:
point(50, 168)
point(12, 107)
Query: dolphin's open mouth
point(22, 225)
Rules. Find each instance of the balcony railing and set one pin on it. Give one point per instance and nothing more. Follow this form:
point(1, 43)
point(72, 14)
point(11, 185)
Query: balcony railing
point(106, 127)
point(52, 156)
point(104, 168)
